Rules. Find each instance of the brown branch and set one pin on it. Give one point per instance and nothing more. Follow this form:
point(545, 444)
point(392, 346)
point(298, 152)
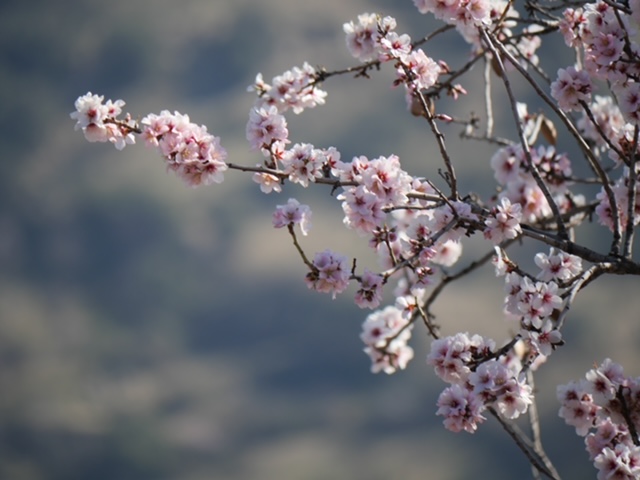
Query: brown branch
point(627, 416)
point(592, 160)
point(631, 196)
point(562, 229)
point(524, 444)
point(306, 261)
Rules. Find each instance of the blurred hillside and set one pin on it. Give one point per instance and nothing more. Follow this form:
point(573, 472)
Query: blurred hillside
point(149, 331)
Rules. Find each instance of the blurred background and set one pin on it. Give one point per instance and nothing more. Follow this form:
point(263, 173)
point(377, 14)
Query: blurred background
point(151, 331)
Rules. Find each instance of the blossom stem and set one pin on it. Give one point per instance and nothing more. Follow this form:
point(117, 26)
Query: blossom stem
point(451, 177)
point(631, 196)
point(583, 280)
point(525, 446)
point(534, 421)
point(598, 128)
point(592, 160)
point(306, 261)
point(487, 98)
point(562, 229)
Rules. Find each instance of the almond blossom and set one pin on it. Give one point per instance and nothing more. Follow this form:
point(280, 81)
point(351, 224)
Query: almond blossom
point(293, 213)
point(330, 273)
point(572, 87)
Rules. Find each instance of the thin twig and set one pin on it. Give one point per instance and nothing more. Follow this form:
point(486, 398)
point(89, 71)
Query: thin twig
point(487, 98)
point(534, 421)
point(582, 281)
point(306, 261)
point(451, 177)
point(592, 160)
point(631, 197)
point(524, 444)
point(615, 264)
point(562, 229)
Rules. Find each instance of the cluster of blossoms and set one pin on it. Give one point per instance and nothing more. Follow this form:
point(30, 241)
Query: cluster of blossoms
point(374, 38)
point(607, 118)
point(513, 169)
point(385, 334)
point(295, 89)
point(293, 213)
point(605, 409)
point(605, 36)
point(572, 88)
point(504, 224)
point(188, 149)
point(621, 195)
point(417, 230)
point(470, 15)
point(330, 273)
point(534, 303)
point(477, 380)
point(381, 183)
point(98, 120)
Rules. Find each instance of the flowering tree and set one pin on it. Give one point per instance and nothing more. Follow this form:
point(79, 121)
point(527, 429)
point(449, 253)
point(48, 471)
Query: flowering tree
point(417, 226)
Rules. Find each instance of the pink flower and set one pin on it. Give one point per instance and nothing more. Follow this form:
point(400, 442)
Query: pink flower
point(621, 196)
point(99, 121)
point(606, 401)
point(608, 117)
point(577, 407)
point(571, 87)
point(190, 151)
point(446, 253)
point(362, 208)
point(362, 37)
point(536, 302)
point(451, 356)
point(385, 334)
point(90, 111)
point(620, 462)
point(545, 339)
point(505, 222)
point(572, 25)
point(294, 89)
point(506, 164)
point(266, 126)
point(393, 45)
point(303, 163)
point(446, 219)
point(607, 433)
point(268, 183)
point(558, 265)
point(369, 295)
point(442, 9)
point(629, 98)
point(293, 213)
point(384, 177)
point(423, 70)
point(395, 357)
point(381, 325)
point(461, 408)
point(330, 273)
point(528, 194)
point(514, 398)
point(606, 48)
point(603, 382)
